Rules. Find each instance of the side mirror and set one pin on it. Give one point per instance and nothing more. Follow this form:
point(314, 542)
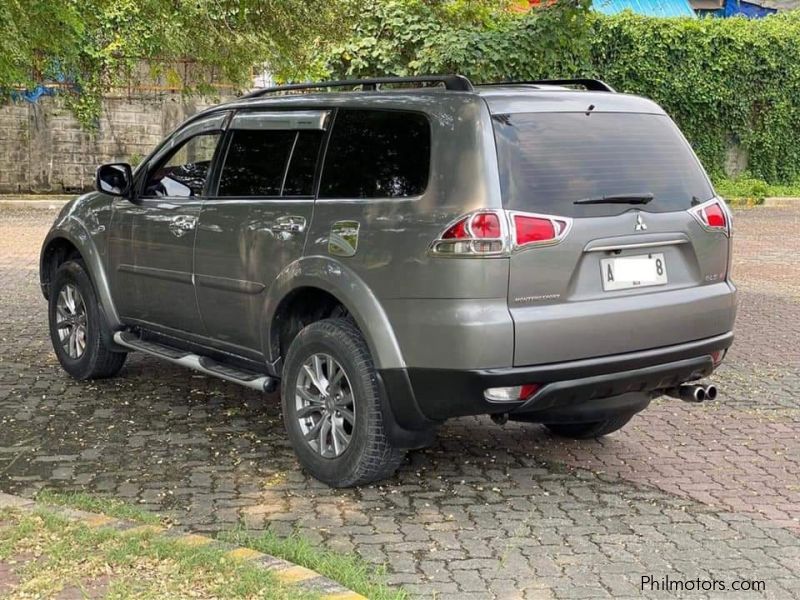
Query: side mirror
point(114, 179)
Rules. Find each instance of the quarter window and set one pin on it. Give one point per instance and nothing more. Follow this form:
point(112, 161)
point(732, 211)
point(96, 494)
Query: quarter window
point(377, 154)
point(183, 174)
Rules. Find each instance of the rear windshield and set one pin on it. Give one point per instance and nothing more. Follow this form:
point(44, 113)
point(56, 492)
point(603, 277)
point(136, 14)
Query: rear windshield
point(549, 160)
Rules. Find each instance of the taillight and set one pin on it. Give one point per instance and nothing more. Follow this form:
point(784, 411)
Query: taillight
point(482, 233)
point(531, 229)
point(497, 232)
point(712, 215)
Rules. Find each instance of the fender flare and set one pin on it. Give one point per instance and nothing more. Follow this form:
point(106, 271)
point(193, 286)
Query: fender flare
point(350, 290)
point(75, 232)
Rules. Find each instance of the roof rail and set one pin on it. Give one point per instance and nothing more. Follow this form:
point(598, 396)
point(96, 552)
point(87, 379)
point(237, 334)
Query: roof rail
point(593, 85)
point(457, 83)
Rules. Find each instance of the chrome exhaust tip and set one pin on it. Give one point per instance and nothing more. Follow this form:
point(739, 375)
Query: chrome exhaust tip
point(690, 393)
point(711, 392)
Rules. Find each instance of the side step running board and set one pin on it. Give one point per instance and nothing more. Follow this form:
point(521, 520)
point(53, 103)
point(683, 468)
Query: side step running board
point(204, 364)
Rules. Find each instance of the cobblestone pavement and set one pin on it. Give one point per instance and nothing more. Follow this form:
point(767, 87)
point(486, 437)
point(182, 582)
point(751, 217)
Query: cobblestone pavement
point(709, 491)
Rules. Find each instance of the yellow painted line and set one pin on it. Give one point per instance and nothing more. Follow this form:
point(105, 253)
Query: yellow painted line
point(245, 554)
point(343, 596)
point(294, 574)
point(192, 539)
point(97, 521)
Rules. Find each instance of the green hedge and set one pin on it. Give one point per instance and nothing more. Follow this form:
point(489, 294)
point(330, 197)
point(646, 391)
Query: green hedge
point(727, 82)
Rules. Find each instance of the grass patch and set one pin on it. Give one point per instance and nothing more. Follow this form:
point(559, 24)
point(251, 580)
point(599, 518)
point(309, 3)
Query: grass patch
point(99, 504)
point(748, 191)
point(348, 569)
point(55, 554)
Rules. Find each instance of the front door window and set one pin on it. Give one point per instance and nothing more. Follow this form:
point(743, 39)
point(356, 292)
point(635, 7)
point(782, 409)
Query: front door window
point(184, 172)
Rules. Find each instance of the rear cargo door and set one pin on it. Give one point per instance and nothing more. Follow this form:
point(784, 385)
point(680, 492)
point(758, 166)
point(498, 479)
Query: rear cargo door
point(628, 266)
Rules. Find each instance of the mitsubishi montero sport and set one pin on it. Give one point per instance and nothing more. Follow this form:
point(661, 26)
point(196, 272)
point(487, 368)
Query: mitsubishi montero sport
point(395, 252)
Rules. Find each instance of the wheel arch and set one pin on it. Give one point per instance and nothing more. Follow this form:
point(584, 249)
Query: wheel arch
point(71, 239)
point(329, 281)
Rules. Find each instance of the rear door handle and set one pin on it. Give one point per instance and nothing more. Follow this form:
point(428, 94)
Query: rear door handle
point(289, 224)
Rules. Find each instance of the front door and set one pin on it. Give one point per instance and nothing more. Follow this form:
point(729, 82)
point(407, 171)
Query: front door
point(257, 220)
point(152, 237)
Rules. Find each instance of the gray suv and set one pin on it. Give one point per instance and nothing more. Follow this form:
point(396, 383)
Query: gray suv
point(415, 250)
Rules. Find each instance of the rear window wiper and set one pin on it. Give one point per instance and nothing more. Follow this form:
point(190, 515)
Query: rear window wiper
point(618, 199)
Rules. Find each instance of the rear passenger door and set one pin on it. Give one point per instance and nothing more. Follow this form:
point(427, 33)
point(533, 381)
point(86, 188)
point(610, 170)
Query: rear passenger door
point(255, 222)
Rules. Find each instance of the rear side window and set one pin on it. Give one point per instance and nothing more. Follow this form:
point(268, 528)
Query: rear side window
point(377, 154)
point(255, 162)
point(549, 160)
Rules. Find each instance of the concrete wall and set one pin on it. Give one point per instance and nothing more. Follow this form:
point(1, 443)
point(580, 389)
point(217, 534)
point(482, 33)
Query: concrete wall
point(44, 149)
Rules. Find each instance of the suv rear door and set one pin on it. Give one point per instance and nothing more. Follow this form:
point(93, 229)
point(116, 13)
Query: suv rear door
point(618, 185)
point(256, 221)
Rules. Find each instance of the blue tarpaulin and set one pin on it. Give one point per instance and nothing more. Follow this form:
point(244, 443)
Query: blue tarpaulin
point(651, 8)
point(34, 94)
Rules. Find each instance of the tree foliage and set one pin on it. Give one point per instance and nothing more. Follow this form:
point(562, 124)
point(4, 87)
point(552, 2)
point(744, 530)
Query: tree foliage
point(727, 82)
point(95, 44)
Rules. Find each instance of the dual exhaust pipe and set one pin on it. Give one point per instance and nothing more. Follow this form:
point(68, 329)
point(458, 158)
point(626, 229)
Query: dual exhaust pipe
point(690, 392)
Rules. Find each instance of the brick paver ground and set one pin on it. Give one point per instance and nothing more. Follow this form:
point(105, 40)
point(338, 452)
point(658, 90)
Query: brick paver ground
point(710, 491)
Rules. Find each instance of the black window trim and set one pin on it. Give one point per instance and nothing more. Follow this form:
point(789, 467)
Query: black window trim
point(167, 156)
point(159, 154)
point(323, 161)
point(216, 174)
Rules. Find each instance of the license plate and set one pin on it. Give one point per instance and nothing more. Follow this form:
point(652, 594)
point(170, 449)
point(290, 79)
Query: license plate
point(633, 272)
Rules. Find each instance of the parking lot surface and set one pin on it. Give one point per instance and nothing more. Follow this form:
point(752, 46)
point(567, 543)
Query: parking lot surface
point(707, 491)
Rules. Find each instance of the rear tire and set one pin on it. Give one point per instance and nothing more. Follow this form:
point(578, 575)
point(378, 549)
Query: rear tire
point(585, 431)
point(77, 328)
point(337, 427)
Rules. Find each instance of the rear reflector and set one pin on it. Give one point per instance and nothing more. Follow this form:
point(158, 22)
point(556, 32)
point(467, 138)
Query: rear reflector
point(712, 215)
point(514, 393)
point(717, 357)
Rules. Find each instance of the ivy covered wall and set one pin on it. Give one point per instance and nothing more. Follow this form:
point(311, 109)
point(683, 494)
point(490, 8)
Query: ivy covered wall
point(733, 85)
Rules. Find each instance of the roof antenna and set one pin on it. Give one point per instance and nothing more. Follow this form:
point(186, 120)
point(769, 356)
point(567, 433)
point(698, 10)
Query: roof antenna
point(590, 109)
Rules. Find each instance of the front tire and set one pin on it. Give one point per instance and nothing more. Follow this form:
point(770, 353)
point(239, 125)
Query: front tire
point(585, 431)
point(77, 328)
point(332, 406)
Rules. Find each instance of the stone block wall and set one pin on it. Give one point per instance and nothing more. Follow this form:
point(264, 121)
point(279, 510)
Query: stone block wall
point(43, 149)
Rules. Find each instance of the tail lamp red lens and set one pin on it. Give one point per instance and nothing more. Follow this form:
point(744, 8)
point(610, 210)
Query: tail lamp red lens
point(486, 225)
point(712, 216)
point(457, 231)
point(536, 230)
point(483, 225)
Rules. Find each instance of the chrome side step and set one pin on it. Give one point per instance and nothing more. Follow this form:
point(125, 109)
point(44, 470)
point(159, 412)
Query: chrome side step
point(204, 364)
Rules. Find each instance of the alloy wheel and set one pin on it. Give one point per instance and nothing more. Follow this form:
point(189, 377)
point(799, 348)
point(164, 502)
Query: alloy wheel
point(71, 321)
point(325, 405)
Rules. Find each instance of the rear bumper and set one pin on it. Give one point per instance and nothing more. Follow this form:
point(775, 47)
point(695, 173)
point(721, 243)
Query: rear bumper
point(574, 390)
